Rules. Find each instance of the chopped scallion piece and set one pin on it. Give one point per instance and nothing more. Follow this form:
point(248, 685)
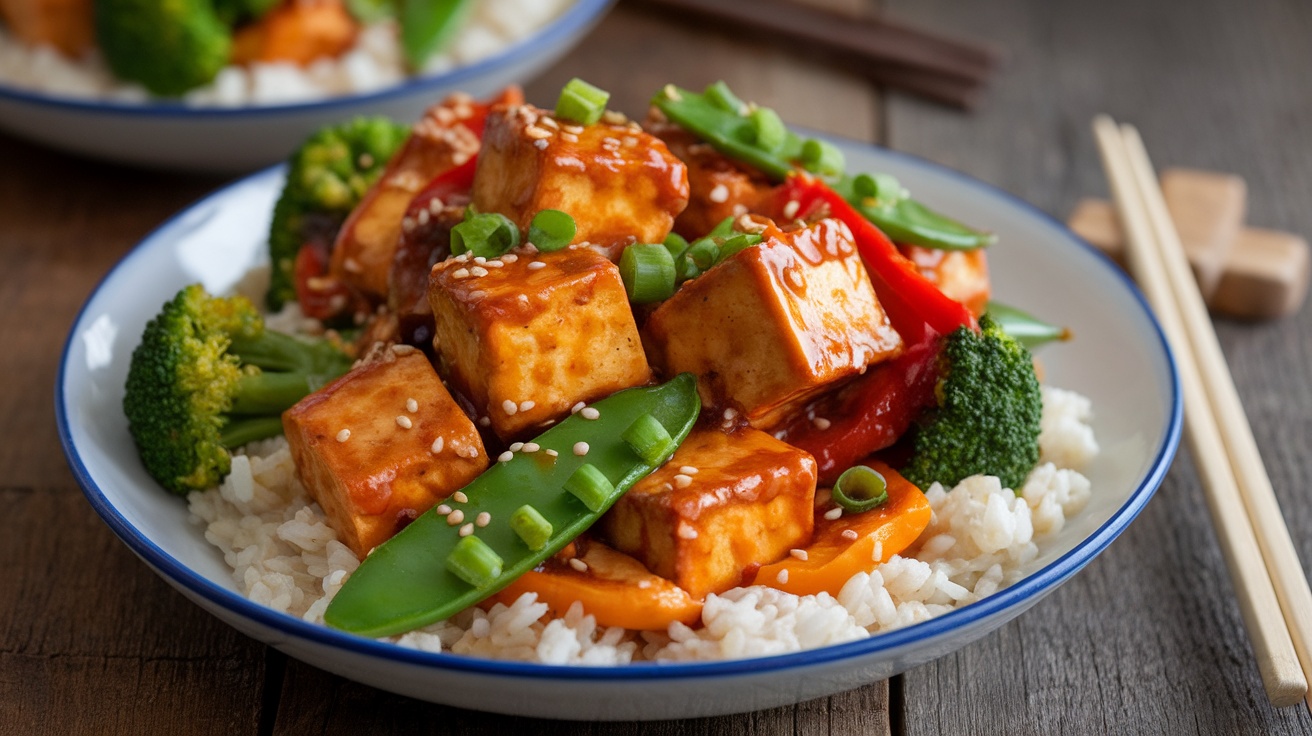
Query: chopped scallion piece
point(589, 485)
point(860, 488)
point(551, 230)
point(822, 157)
point(675, 244)
point(648, 273)
point(735, 243)
point(489, 235)
point(531, 527)
point(721, 96)
point(648, 438)
point(771, 133)
point(581, 102)
point(474, 562)
point(722, 229)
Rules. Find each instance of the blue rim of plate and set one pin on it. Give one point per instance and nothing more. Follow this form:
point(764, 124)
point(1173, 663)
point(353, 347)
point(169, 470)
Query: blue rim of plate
point(576, 19)
point(1034, 585)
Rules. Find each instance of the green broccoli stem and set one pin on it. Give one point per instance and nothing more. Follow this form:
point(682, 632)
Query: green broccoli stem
point(275, 351)
point(270, 393)
point(248, 429)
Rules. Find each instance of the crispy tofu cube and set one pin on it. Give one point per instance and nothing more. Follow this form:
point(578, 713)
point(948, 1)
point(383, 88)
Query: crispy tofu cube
point(749, 500)
point(774, 324)
point(718, 186)
point(381, 445)
point(619, 183)
point(526, 336)
point(963, 275)
point(441, 140)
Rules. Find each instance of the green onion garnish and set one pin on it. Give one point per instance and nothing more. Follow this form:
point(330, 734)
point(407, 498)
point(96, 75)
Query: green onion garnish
point(771, 133)
point(822, 157)
point(581, 102)
point(735, 243)
point(648, 273)
point(699, 257)
point(721, 96)
point(675, 244)
point(474, 562)
point(531, 527)
point(859, 489)
point(590, 486)
point(551, 230)
point(488, 234)
point(648, 437)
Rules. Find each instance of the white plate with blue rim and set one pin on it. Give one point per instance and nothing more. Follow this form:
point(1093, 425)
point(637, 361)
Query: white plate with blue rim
point(173, 135)
point(1118, 358)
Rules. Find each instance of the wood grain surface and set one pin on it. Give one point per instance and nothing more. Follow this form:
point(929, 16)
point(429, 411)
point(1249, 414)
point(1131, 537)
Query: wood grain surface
point(1147, 639)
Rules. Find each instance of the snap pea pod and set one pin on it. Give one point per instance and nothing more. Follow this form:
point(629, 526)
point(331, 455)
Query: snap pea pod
point(1027, 329)
point(405, 583)
point(427, 26)
point(732, 128)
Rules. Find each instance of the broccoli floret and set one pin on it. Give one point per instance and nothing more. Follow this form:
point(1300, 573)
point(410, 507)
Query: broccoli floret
point(987, 414)
point(326, 178)
point(207, 377)
point(169, 46)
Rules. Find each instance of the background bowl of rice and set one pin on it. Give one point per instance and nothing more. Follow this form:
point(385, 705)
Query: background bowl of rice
point(1118, 359)
point(244, 121)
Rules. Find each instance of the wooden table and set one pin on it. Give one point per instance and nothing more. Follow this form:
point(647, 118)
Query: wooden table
point(1147, 639)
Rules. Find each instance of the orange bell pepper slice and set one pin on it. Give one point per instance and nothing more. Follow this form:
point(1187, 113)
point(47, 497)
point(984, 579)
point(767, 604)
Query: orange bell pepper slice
point(832, 559)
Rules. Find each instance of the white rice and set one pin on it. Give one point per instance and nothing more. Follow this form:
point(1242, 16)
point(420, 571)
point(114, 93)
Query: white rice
point(373, 63)
point(981, 535)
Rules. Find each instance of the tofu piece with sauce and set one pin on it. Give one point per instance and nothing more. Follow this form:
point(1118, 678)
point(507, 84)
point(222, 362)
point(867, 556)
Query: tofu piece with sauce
point(774, 324)
point(962, 275)
point(725, 503)
point(621, 184)
point(381, 445)
point(718, 186)
point(526, 336)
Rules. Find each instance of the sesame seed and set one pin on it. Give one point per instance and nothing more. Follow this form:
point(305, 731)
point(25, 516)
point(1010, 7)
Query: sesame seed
point(553, 453)
point(850, 535)
point(509, 407)
point(577, 408)
point(790, 209)
point(581, 448)
point(682, 481)
point(672, 92)
point(407, 224)
point(687, 532)
point(484, 421)
point(526, 405)
point(730, 413)
point(537, 133)
point(422, 217)
point(688, 470)
point(483, 519)
point(540, 144)
point(549, 122)
point(352, 265)
point(344, 435)
point(411, 405)
point(578, 564)
point(443, 510)
point(477, 294)
point(575, 129)
point(589, 412)
point(782, 577)
point(569, 138)
point(480, 260)
point(509, 258)
point(494, 264)
point(473, 451)
point(821, 423)
point(400, 349)
point(438, 444)
point(719, 194)
point(466, 530)
point(455, 517)
point(532, 447)
point(460, 273)
point(460, 497)
point(666, 488)
point(505, 457)
point(404, 422)
point(516, 446)
point(834, 513)
point(463, 257)
point(535, 265)
point(644, 583)
point(435, 206)
point(478, 271)
point(798, 553)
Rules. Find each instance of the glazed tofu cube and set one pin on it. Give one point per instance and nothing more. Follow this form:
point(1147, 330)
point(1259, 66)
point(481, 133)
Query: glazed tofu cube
point(440, 141)
point(718, 187)
point(619, 183)
point(774, 324)
point(381, 445)
point(722, 505)
point(526, 336)
point(963, 275)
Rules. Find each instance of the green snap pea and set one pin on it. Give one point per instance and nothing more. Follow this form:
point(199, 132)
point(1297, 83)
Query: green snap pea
point(427, 26)
point(1027, 329)
point(406, 583)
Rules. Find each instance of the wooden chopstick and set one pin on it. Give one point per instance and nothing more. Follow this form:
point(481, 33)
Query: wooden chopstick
point(1134, 186)
point(939, 67)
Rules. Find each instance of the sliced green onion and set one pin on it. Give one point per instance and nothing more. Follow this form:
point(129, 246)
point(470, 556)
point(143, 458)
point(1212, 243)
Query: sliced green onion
point(699, 257)
point(722, 229)
point(675, 244)
point(648, 273)
point(551, 230)
point(648, 437)
point(822, 157)
point(771, 133)
point(489, 235)
point(735, 243)
point(581, 102)
point(721, 96)
point(474, 562)
point(859, 489)
point(531, 526)
point(590, 486)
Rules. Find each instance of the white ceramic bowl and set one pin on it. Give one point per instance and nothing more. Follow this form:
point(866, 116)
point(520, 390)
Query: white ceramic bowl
point(240, 139)
point(1118, 358)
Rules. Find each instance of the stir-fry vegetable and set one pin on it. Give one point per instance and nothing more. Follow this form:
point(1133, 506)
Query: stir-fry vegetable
point(406, 583)
point(1027, 329)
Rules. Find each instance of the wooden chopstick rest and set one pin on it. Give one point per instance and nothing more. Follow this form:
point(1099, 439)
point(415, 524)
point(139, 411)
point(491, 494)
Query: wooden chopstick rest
point(1264, 275)
point(1208, 211)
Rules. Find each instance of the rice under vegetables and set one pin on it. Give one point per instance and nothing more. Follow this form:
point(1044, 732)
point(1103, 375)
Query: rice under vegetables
point(285, 556)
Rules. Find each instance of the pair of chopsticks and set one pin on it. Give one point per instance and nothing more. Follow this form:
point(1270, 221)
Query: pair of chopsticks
point(944, 69)
point(1273, 592)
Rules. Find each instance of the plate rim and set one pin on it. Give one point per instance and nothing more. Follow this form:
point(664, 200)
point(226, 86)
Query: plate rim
point(1030, 588)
